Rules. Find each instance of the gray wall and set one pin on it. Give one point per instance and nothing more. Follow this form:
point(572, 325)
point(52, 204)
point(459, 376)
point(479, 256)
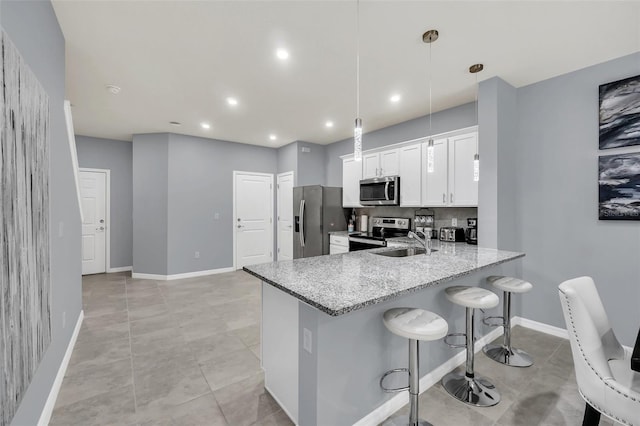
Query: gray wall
point(116, 156)
point(33, 28)
point(288, 160)
point(443, 121)
point(201, 185)
point(557, 158)
point(311, 165)
point(150, 203)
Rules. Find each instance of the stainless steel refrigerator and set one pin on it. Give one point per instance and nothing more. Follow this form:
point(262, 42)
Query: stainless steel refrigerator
point(317, 210)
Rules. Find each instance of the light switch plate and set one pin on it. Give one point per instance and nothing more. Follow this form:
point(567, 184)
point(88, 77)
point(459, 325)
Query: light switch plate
point(307, 340)
point(454, 222)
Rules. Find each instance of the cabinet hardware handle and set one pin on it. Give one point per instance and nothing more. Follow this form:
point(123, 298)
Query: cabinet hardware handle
point(444, 198)
point(451, 197)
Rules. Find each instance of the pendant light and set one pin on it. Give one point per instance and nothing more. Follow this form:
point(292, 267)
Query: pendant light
point(357, 132)
point(475, 69)
point(429, 37)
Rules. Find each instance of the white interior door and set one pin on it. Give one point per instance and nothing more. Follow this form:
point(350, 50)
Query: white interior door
point(253, 221)
point(285, 216)
point(93, 195)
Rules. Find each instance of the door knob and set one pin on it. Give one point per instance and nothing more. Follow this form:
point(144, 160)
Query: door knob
point(101, 220)
point(239, 219)
point(240, 226)
point(100, 229)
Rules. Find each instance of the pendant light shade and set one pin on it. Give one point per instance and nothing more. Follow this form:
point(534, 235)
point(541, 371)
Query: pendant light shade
point(429, 37)
point(475, 69)
point(357, 140)
point(431, 157)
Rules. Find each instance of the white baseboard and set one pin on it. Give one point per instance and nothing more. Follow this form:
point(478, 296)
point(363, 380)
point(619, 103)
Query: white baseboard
point(392, 405)
point(540, 326)
point(181, 276)
point(47, 411)
point(120, 269)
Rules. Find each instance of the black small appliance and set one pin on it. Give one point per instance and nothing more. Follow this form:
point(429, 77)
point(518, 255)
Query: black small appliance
point(471, 233)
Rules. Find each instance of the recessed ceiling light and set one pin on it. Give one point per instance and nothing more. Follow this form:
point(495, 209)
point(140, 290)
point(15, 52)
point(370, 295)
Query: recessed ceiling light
point(175, 123)
point(395, 98)
point(329, 123)
point(205, 126)
point(282, 54)
point(272, 137)
point(114, 90)
point(232, 101)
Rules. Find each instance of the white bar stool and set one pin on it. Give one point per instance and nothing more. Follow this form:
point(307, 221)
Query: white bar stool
point(415, 325)
point(504, 353)
point(470, 388)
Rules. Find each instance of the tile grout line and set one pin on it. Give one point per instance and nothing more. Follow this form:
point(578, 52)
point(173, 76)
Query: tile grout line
point(133, 376)
point(171, 313)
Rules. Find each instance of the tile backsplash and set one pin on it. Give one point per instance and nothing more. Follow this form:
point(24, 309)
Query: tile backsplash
point(443, 215)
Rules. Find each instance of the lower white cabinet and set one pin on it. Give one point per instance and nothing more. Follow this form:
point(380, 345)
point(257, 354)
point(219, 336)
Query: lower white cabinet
point(338, 244)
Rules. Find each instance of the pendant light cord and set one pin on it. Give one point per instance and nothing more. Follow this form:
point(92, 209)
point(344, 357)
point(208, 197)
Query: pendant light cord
point(477, 115)
point(357, 58)
point(430, 75)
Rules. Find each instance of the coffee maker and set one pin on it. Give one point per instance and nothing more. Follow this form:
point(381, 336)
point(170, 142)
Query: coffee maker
point(471, 233)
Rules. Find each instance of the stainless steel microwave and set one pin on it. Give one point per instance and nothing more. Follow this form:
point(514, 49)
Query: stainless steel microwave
point(380, 191)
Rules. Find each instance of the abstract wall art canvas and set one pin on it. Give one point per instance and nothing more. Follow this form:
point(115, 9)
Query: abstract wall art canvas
point(619, 183)
point(25, 322)
point(620, 113)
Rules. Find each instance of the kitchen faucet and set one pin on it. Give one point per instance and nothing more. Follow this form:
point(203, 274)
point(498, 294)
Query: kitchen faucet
point(426, 243)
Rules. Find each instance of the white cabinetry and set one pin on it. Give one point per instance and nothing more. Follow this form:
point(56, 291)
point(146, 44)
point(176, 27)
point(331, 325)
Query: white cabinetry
point(463, 190)
point(338, 244)
point(377, 164)
point(351, 175)
point(451, 183)
point(434, 186)
point(410, 172)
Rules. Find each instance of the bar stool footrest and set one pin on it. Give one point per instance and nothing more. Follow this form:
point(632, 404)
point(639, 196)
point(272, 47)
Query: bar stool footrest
point(455, 345)
point(395, 370)
point(491, 321)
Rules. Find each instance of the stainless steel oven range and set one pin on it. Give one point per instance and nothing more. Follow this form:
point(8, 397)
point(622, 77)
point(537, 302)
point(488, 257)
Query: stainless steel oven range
point(381, 229)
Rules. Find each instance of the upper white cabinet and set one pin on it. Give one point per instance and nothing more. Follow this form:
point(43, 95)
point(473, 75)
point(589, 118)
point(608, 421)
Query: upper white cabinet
point(463, 190)
point(435, 192)
point(351, 175)
point(377, 164)
point(410, 172)
point(450, 184)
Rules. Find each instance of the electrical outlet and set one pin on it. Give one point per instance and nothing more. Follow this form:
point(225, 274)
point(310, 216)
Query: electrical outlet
point(216, 216)
point(64, 319)
point(307, 340)
point(197, 255)
point(454, 222)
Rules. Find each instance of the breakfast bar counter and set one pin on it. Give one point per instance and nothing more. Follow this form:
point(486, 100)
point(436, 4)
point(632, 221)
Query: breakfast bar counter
point(324, 346)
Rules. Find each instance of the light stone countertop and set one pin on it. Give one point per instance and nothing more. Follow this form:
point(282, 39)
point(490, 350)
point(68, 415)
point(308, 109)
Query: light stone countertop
point(341, 283)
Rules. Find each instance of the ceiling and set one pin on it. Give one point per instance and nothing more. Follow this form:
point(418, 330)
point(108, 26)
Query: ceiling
point(179, 60)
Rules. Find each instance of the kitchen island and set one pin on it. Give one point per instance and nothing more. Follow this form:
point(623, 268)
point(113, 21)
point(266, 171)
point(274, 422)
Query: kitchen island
point(324, 346)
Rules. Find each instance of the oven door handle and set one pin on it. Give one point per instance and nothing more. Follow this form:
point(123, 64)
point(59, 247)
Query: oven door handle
point(301, 223)
point(386, 191)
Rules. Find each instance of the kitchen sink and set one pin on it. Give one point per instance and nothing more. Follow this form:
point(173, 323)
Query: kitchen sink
point(412, 251)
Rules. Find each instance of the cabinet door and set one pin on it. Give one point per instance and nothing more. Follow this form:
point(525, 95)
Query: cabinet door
point(370, 165)
point(434, 184)
point(390, 163)
point(411, 175)
point(351, 175)
point(463, 190)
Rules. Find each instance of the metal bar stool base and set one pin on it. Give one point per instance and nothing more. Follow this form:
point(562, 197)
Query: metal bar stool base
point(476, 391)
point(404, 421)
point(511, 357)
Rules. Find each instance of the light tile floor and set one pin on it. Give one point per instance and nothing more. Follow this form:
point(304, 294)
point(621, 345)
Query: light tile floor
point(187, 353)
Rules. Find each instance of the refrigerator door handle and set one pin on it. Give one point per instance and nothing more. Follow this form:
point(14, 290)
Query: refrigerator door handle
point(302, 223)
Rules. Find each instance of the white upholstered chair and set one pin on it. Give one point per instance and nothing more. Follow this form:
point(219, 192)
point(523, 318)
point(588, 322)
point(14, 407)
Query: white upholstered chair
point(603, 367)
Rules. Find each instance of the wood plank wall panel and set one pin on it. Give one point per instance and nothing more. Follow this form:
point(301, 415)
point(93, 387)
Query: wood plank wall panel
point(25, 313)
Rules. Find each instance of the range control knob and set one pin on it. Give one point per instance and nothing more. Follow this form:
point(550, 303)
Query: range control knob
point(401, 222)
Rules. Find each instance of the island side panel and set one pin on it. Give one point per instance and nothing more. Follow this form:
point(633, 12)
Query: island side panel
point(279, 347)
point(352, 351)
